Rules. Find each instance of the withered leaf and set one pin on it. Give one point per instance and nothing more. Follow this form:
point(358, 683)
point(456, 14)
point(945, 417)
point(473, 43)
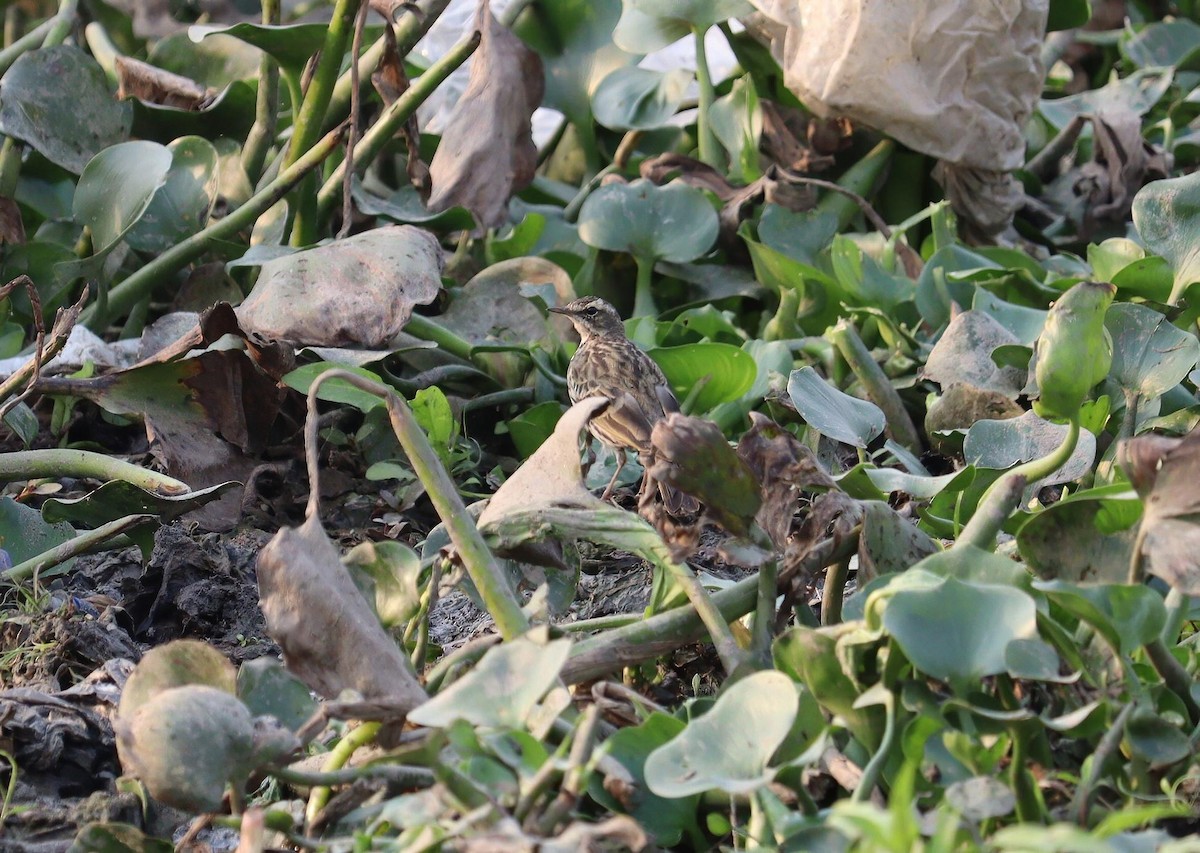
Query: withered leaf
point(146, 82)
point(1170, 531)
point(1122, 162)
point(391, 81)
point(330, 638)
point(12, 226)
point(358, 291)
point(784, 468)
point(487, 151)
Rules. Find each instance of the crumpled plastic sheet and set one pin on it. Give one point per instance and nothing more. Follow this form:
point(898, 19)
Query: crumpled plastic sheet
point(956, 80)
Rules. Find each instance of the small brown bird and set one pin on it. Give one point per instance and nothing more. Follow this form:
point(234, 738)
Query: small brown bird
point(608, 364)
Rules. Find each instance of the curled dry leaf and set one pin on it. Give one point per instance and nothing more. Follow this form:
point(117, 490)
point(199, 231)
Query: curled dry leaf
point(141, 80)
point(330, 638)
point(1122, 162)
point(1170, 532)
point(354, 292)
point(833, 516)
point(784, 468)
point(691, 455)
point(487, 151)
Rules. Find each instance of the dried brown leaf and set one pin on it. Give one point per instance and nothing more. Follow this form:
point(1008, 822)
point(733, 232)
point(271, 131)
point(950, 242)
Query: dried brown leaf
point(146, 82)
point(1170, 531)
point(12, 226)
point(330, 638)
point(784, 469)
point(487, 151)
point(358, 291)
point(391, 81)
point(1122, 162)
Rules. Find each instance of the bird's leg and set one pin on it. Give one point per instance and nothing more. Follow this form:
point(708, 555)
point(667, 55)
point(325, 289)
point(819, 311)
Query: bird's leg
point(589, 458)
point(613, 482)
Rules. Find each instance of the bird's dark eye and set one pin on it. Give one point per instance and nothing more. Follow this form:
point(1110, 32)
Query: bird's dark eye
point(589, 312)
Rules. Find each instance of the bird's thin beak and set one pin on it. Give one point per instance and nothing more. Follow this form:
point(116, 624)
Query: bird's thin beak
point(563, 311)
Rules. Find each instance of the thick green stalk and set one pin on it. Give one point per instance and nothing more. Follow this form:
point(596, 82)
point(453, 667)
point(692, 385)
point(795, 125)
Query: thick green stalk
point(385, 127)
point(307, 127)
point(1174, 676)
point(125, 295)
point(643, 295)
point(710, 150)
point(998, 501)
point(408, 32)
point(73, 548)
point(63, 22)
point(476, 557)
point(59, 462)
point(318, 798)
point(254, 152)
point(883, 394)
point(649, 638)
point(30, 41)
point(428, 330)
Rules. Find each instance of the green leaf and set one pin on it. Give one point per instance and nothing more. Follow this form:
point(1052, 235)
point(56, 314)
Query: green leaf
point(1066, 540)
point(533, 426)
point(648, 25)
point(1126, 616)
point(937, 291)
point(24, 534)
point(1163, 44)
point(118, 498)
point(575, 40)
point(1137, 93)
point(1150, 355)
point(501, 690)
point(387, 573)
point(1068, 14)
point(58, 100)
point(730, 747)
point(728, 372)
point(117, 838)
point(957, 631)
point(632, 98)
point(432, 411)
point(665, 818)
point(801, 235)
point(1167, 217)
point(1003, 444)
point(181, 206)
point(671, 223)
point(117, 188)
point(265, 687)
point(1155, 740)
point(405, 206)
point(737, 121)
point(290, 44)
point(335, 390)
point(831, 412)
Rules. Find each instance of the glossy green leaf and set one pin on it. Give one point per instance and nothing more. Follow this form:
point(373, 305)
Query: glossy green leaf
point(801, 235)
point(957, 631)
point(533, 426)
point(118, 498)
point(502, 689)
point(181, 206)
point(727, 371)
point(736, 120)
point(335, 390)
point(105, 837)
point(1126, 264)
point(405, 207)
point(1155, 740)
point(1161, 44)
point(937, 291)
point(58, 101)
point(117, 188)
point(632, 98)
point(672, 223)
point(1150, 355)
point(1167, 217)
point(810, 657)
point(291, 44)
point(387, 573)
point(730, 747)
point(1136, 93)
point(832, 412)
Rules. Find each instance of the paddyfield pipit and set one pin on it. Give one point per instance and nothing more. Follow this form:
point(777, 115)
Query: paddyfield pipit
point(608, 364)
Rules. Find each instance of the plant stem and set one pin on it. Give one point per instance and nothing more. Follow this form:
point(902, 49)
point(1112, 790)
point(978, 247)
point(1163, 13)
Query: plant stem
point(998, 501)
point(430, 330)
point(710, 151)
point(30, 41)
point(874, 768)
point(649, 638)
point(346, 747)
point(409, 777)
point(125, 295)
point(307, 126)
point(834, 591)
point(73, 547)
point(846, 338)
point(764, 614)
point(1107, 747)
point(266, 108)
point(1173, 675)
point(385, 127)
point(63, 22)
point(643, 298)
point(59, 462)
point(408, 32)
